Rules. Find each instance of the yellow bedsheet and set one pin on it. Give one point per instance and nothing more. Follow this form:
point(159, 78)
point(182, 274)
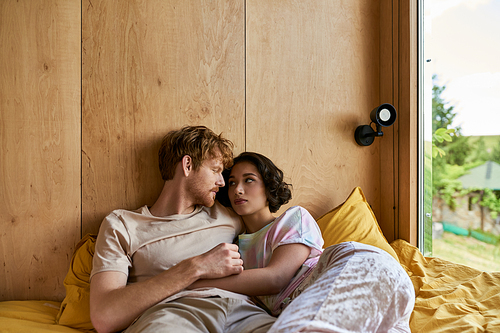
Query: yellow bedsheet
point(31, 316)
point(450, 297)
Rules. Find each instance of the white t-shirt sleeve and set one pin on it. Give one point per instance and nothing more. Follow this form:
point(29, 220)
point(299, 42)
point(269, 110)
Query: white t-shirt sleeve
point(297, 225)
point(111, 250)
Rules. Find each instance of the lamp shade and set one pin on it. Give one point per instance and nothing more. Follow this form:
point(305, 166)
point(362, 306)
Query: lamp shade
point(384, 115)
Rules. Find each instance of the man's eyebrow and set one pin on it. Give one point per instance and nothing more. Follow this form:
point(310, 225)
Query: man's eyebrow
point(217, 165)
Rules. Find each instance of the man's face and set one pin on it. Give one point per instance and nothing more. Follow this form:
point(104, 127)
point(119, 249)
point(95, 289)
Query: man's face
point(205, 182)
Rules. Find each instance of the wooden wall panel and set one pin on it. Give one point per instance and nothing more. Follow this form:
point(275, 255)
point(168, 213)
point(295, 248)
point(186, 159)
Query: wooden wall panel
point(285, 78)
point(39, 146)
point(149, 67)
point(407, 91)
point(388, 146)
point(312, 78)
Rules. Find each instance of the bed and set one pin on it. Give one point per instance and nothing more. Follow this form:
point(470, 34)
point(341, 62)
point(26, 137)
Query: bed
point(450, 297)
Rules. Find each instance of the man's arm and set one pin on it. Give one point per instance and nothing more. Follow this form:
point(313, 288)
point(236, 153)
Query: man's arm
point(270, 280)
point(114, 305)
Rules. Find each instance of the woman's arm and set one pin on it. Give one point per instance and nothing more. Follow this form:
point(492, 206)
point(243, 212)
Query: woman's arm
point(270, 280)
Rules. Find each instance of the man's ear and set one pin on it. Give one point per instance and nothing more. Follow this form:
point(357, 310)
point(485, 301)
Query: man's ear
point(187, 165)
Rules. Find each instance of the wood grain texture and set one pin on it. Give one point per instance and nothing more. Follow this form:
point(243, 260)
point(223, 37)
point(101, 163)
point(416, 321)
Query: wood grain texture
point(408, 124)
point(39, 146)
point(312, 78)
point(89, 88)
point(388, 144)
point(150, 67)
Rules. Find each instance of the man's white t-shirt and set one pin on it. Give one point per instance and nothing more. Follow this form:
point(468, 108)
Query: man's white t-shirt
point(141, 245)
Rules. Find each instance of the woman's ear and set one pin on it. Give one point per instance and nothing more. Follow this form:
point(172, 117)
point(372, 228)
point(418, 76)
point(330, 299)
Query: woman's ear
point(187, 165)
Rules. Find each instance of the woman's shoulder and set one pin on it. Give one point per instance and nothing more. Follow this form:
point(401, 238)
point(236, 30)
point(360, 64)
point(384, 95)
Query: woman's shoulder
point(297, 213)
point(297, 224)
point(297, 210)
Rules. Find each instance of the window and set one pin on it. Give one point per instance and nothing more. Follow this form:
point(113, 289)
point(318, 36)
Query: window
point(459, 81)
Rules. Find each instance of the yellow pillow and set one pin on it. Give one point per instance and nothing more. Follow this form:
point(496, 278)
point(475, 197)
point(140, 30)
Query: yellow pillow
point(353, 221)
point(75, 308)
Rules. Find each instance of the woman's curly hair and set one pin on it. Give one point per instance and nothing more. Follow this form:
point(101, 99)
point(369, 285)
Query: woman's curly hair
point(278, 192)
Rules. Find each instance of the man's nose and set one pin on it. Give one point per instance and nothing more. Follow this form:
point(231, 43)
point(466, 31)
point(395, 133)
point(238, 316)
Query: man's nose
point(221, 181)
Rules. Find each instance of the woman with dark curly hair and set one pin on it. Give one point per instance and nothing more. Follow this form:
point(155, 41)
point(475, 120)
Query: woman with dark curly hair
point(347, 287)
point(278, 252)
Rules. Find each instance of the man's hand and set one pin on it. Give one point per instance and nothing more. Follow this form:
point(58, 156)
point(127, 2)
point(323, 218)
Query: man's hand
point(221, 261)
point(114, 304)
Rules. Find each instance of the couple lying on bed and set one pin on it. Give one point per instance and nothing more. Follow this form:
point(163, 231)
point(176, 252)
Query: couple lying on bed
point(173, 267)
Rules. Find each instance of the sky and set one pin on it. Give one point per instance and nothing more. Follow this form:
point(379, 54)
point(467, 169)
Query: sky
point(462, 39)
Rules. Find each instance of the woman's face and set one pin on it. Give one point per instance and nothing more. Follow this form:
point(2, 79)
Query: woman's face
point(246, 190)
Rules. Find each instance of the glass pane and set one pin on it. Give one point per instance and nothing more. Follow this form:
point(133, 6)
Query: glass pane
point(425, 105)
point(460, 93)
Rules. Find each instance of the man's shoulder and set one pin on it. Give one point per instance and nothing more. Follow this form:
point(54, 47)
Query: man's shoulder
point(118, 218)
point(218, 209)
point(218, 212)
point(144, 210)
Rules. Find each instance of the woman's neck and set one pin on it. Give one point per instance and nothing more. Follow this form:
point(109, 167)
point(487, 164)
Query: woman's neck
point(257, 220)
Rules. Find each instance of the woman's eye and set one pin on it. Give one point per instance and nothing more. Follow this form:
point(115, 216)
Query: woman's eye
point(231, 183)
point(249, 180)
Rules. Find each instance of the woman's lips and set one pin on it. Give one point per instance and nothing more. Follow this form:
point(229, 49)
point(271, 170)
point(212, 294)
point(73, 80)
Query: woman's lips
point(239, 201)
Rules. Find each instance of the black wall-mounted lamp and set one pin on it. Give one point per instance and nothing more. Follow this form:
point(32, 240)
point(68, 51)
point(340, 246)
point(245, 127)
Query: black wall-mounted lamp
point(383, 115)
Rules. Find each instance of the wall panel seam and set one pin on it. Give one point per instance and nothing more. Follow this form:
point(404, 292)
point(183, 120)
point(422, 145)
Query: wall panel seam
point(245, 73)
point(81, 119)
